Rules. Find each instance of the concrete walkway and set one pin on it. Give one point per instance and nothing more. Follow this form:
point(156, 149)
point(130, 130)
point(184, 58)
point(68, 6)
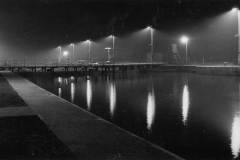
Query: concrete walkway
point(88, 136)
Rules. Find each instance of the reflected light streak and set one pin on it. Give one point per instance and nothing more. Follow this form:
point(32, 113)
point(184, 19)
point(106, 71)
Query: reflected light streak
point(66, 81)
point(185, 104)
point(112, 98)
point(59, 80)
point(72, 91)
point(89, 94)
point(235, 137)
point(60, 92)
point(150, 109)
point(72, 78)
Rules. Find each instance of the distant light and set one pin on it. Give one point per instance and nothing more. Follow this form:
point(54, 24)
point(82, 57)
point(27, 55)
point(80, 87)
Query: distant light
point(149, 27)
point(65, 53)
point(108, 48)
point(184, 39)
point(88, 41)
point(72, 78)
point(71, 44)
point(59, 47)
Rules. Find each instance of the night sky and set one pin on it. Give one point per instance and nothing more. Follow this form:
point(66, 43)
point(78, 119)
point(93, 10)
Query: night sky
point(31, 25)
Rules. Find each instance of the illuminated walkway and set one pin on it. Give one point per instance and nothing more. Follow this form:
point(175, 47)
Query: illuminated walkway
point(86, 135)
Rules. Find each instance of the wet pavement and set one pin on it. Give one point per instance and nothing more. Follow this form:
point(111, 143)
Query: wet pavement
point(9, 98)
point(27, 137)
point(23, 134)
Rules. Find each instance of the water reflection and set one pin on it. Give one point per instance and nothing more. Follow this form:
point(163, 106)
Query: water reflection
point(185, 104)
point(151, 104)
point(112, 97)
point(60, 92)
point(66, 81)
point(72, 78)
point(235, 138)
point(72, 91)
point(60, 80)
point(89, 94)
point(150, 109)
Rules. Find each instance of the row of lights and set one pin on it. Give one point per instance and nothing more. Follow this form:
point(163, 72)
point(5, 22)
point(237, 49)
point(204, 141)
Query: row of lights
point(88, 41)
point(183, 39)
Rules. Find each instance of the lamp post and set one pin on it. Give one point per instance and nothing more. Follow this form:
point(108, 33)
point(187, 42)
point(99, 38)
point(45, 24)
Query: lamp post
point(184, 40)
point(235, 9)
point(151, 43)
point(73, 52)
point(113, 47)
point(59, 56)
point(89, 51)
point(65, 54)
point(238, 19)
point(108, 52)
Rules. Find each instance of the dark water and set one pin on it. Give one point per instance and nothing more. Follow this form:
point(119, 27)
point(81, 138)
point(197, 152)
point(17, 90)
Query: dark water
point(194, 116)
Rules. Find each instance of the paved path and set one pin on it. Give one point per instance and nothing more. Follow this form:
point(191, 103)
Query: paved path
point(88, 136)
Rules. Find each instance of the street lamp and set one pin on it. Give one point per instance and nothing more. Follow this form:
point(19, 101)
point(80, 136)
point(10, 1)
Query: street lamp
point(65, 54)
point(60, 53)
point(235, 9)
point(151, 42)
point(113, 46)
point(184, 40)
point(108, 51)
point(73, 52)
point(89, 50)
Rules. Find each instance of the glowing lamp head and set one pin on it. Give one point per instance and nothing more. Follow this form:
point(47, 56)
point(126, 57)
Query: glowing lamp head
point(88, 41)
point(108, 48)
point(149, 27)
point(112, 36)
point(59, 47)
point(71, 44)
point(184, 39)
point(234, 9)
point(65, 53)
